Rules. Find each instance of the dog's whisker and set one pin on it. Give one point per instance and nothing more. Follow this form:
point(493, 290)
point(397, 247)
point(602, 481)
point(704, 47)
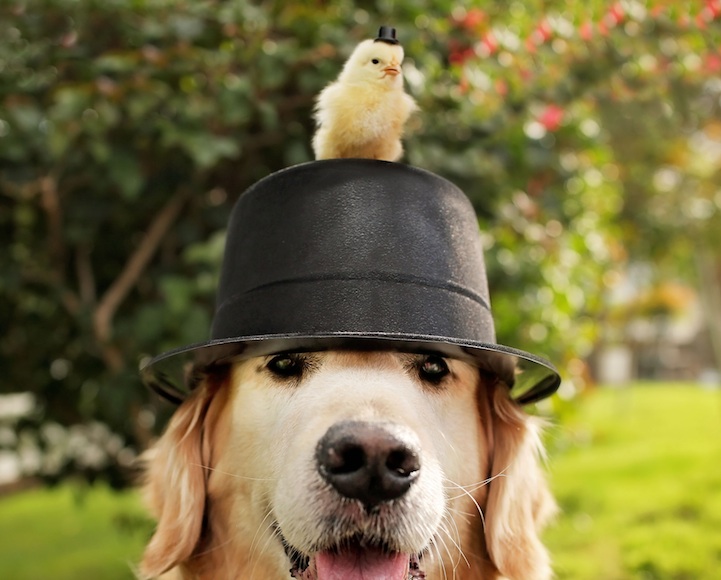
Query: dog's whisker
point(473, 486)
point(234, 475)
point(438, 557)
point(254, 551)
point(473, 499)
point(446, 549)
point(443, 531)
point(456, 543)
point(466, 515)
point(259, 530)
point(275, 534)
point(214, 547)
point(477, 485)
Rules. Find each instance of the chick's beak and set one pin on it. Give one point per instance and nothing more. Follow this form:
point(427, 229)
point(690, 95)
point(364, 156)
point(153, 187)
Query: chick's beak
point(392, 70)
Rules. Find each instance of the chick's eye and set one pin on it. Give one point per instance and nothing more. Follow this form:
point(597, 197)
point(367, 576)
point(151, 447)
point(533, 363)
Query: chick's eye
point(375, 61)
point(433, 368)
point(286, 365)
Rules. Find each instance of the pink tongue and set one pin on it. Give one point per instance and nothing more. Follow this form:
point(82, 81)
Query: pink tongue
point(359, 564)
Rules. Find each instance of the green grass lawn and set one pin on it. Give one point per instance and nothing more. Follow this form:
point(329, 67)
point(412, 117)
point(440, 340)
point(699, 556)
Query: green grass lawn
point(67, 533)
point(639, 483)
point(637, 473)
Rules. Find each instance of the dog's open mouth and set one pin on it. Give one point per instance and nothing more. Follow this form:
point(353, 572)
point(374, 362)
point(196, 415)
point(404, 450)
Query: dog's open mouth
point(355, 561)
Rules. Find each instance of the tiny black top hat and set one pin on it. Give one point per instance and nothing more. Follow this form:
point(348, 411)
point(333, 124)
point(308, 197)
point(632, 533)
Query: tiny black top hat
point(387, 34)
point(353, 254)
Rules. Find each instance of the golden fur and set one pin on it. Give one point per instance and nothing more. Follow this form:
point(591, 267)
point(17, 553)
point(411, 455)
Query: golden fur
point(235, 467)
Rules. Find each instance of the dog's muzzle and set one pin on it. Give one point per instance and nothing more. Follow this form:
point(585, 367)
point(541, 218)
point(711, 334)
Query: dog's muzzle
point(371, 464)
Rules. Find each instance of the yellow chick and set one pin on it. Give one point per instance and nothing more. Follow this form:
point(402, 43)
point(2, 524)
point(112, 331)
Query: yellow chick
point(362, 114)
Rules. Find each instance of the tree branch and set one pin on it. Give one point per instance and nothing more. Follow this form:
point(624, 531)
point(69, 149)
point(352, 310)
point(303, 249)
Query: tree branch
point(84, 272)
point(50, 200)
point(134, 267)
point(25, 190)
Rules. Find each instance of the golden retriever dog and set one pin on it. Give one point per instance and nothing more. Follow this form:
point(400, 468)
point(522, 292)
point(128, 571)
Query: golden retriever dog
point(348, 465)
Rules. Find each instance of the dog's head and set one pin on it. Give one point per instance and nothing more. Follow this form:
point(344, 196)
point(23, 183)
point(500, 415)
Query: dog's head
point(349, 465)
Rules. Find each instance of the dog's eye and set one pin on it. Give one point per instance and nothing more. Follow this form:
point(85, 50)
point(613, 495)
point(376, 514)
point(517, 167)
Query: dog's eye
point(286, 365)
point(433, 368)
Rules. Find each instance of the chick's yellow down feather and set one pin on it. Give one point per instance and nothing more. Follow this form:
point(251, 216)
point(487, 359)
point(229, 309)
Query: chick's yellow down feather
point(363, 112)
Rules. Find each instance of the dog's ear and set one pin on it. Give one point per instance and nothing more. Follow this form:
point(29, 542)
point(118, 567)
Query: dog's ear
point(176, 479)
point(519, 502)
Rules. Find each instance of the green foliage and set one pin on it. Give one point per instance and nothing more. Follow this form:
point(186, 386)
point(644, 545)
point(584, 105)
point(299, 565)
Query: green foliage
point(128, 129)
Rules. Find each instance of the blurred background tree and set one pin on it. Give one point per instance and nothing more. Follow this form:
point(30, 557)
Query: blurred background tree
point(587, 135)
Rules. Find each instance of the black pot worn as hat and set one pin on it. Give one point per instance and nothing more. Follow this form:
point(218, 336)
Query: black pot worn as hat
point(352, 254)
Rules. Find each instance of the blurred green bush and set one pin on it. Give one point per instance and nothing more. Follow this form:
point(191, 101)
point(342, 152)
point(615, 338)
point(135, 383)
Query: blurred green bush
point(128, 129)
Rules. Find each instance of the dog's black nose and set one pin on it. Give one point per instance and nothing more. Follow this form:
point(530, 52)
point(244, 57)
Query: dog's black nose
point(370, 462)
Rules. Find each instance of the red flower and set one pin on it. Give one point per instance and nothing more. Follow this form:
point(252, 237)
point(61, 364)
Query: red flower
point(544, 31)
point(473, 19)
point(490, 43)
point(586, 31)
point(458, 52)
point(714, 7)
point(615, 14)
point(713, 63)
point(552, 117)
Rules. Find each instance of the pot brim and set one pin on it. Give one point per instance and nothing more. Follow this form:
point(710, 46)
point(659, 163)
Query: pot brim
point(173, 374)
